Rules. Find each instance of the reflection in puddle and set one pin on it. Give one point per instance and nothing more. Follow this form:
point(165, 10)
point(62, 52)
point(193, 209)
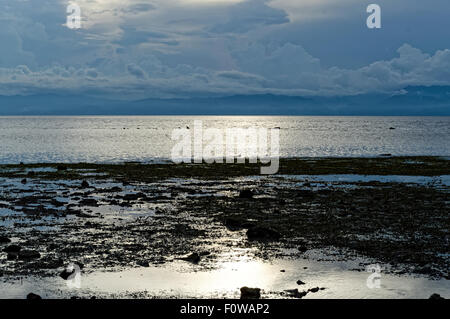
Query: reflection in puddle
point(183, 280)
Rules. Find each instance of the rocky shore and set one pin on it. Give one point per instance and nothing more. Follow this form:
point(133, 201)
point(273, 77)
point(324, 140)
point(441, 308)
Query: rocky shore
point(394, 210)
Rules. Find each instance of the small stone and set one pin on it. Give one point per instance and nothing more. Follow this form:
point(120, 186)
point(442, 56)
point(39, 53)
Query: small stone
point(302, 249)
point(205, 253)
point(32, 296)
point(193, 258)
point(143, 263)
point(246, 193)
point(24, 181)
point(11, 256)
point(262, 233)
point(28, 254)
point(250, 293)
point(12, 249)
point(282, 270)
point(316, 289)
point(4, 240)
point(299, 282)
point(436, 297)
point(66, 273)
point(294, 293)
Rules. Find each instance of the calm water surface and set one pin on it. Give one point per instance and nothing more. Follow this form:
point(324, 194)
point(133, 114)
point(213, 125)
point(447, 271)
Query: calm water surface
point(148, 138)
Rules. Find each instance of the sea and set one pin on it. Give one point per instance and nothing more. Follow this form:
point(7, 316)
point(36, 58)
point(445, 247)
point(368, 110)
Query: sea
point(118, 139)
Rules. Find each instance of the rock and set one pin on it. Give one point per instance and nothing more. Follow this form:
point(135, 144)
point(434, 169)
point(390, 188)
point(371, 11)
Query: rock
point(262, 233)
point(234, 224)
point(24, 181)
point(32, 296)
point(132, 197)
point(392, 128)
point(193, 258)
point(282, 270)
point(250, 293)
point(316, 289)
point(28, 254)
point(66, 273)
point(436, 297)
point(246, 193)
point(84, 184)
point(304, 193)
point(143, 263)
point(84, 215)
point(299, 282)
point(294, 293)
point(88, 202)
point(4, 240)
point(12, 249)
point(11, 256)
point(205, 253)
point(302, 248)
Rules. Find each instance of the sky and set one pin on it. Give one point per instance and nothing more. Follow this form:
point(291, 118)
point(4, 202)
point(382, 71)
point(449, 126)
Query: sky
point(133, 49)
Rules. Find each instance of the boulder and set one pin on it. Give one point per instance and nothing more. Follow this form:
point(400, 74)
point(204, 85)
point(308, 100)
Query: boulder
point(436, 297)
point(32, 296)
point(250, 293)
point(262, 233)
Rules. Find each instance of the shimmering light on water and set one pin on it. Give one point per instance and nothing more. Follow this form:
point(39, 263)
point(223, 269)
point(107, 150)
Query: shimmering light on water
point(147, 138)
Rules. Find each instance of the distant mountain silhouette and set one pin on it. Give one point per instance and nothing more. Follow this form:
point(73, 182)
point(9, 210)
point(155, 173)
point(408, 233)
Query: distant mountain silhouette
point(413, 100)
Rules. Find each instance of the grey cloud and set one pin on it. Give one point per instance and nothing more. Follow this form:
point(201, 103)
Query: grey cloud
point(136, 71)
point(247, 15)
point(241, 76)
point(139, 8)
point(411, 67)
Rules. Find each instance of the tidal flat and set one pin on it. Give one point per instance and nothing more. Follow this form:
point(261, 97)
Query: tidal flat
point(205, 230)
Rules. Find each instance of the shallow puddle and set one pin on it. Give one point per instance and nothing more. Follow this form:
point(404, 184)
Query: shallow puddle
point(183, 280)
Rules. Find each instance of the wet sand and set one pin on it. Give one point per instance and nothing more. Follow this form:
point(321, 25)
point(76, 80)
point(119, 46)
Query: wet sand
point(130, 221)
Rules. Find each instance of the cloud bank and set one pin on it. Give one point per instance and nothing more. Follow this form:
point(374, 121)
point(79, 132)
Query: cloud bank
point(186, 48)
